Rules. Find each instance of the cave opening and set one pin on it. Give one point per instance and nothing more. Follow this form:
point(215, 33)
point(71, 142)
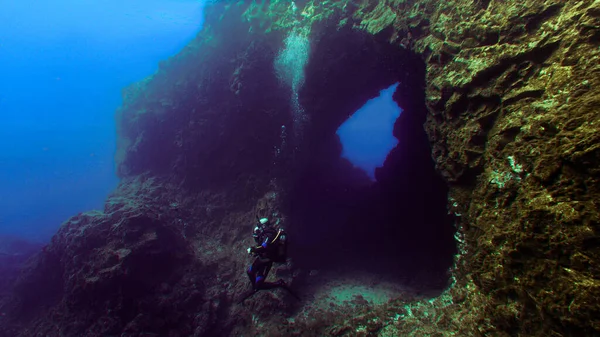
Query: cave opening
point(394, 223)
point(367, 136)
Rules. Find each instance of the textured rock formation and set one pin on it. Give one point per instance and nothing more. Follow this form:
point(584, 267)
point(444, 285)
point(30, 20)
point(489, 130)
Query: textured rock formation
point(14, 253)
point(507, 93)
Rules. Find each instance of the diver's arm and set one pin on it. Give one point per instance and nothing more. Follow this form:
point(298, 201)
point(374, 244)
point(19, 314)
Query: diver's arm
point(263, 246)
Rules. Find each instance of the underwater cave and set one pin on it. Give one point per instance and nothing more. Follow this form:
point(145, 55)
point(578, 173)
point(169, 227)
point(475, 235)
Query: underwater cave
point(394, 223)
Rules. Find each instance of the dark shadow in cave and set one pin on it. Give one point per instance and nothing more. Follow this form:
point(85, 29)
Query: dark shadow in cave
point(398, 226)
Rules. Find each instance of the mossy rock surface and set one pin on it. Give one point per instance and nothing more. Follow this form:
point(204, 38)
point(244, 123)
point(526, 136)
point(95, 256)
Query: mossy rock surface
point(512, 95)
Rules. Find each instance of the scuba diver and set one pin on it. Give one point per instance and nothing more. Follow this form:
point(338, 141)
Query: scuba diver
point(271, 246)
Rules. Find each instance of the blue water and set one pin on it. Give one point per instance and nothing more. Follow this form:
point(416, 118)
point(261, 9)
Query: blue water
point(62, 66)
point(367, 135)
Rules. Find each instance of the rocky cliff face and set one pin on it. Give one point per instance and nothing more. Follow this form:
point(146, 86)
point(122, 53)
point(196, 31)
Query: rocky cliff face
point(14, 253)
point(507, 94)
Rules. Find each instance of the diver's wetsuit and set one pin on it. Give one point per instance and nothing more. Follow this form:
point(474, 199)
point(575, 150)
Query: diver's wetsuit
point(269, 250)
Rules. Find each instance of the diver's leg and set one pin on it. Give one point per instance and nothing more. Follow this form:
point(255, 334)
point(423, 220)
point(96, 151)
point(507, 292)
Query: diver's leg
point(279, 284)
point(253, 270)
point(270, 285)
point(261, 267)
point(268, 268)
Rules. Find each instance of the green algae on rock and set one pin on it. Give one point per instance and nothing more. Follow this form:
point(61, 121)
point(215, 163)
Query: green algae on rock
point(512, 96)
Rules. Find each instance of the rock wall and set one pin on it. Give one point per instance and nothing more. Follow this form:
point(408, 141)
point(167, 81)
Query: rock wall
point(511, 97)
point(513, 121)
point(14, 253)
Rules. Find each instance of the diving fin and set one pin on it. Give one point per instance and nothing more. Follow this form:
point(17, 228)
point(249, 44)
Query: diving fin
point(281, 283)
point(247, 295)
